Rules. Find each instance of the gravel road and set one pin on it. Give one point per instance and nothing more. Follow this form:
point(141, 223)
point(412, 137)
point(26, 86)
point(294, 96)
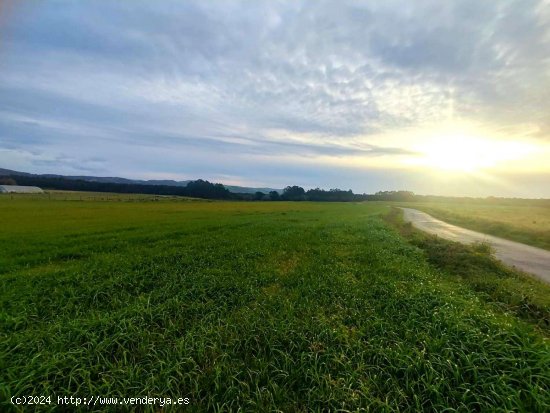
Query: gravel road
point(523, 257)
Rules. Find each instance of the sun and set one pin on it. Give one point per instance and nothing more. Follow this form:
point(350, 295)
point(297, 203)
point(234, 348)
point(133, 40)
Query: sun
point(463, 153)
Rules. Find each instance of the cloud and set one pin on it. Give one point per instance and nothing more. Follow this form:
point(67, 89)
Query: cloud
point(265, 78)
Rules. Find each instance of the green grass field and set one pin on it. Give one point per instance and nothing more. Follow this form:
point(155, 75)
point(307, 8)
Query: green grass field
point(525, 221)
point(266, 306)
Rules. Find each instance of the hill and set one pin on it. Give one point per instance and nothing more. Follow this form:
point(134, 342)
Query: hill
point(118, 180)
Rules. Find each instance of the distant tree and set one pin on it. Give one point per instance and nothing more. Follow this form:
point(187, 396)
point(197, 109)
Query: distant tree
point(205, 189)
point(274, 196)
point(258, 196)
point(334, 195)
point(394, 196)
point(6, 180)
point(294, 193)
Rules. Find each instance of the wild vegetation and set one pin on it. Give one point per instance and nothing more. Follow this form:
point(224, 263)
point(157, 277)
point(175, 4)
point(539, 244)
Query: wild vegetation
point(260, 306)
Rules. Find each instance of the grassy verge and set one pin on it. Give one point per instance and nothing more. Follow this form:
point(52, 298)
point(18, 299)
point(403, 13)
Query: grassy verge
point(524, 222)
point(475, 266)
point(249, 307)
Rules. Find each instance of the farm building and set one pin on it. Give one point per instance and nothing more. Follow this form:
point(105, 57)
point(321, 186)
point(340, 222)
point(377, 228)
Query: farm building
point(6, 189)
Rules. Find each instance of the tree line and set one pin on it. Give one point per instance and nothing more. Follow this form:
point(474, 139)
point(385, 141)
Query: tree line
point(297, 193)
point(196, 189)
point(204, 189)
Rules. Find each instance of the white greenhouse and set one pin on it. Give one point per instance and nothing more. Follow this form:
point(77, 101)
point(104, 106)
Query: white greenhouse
point(17, 189)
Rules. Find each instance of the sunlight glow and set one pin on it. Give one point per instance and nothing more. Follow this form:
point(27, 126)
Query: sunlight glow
point(463, 153)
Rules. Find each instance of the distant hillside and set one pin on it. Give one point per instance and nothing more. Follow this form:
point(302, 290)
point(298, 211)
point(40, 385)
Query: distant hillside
point(118, 180)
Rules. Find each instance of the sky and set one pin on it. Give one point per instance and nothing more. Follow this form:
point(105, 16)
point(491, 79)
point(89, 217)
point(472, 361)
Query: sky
point(436, 97)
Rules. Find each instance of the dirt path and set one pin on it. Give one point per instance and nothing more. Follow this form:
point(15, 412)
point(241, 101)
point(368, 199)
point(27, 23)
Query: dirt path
point(524, 257)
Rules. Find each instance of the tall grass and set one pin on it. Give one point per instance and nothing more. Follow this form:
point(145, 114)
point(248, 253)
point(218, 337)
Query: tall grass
point(250, 307)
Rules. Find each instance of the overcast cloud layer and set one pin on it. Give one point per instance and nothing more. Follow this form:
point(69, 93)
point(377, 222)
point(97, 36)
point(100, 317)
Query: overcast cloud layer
point(267, 92)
